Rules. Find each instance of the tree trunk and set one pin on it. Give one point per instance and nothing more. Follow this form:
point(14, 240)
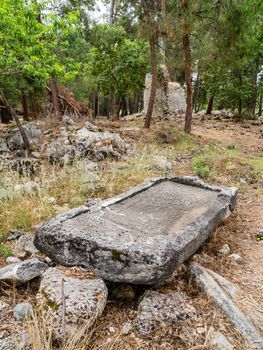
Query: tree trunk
point(25, 107)
point(187, 62)
point(112, 10)
point(149, 112)
point(210, 105)
point(136, 103)
point(17, 121)
point(5, 115)
point(196, 92)
point(260, 105)
point(54, 96)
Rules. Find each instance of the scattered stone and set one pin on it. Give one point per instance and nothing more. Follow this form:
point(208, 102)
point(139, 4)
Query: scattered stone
point(127, 328)
point(14, 234)
point(12, 260)
point(3, 305)
point(67, 120)
point(84, 296)
point(162, 163)
point(3, 146)
point(123, 291)
point(226, 304)
point(23, 272)
point(26, 187)
point(158, 309)
point(14, 139)
point(36, 155)
point(132, 117)
point(140, 236)
point(85, 144)
point(236, 258)
point(8, 343)
point(224, 250)
point(91, 126)
point(26, 244)
point(220, 342)
point(228, 286)
point(22, 311)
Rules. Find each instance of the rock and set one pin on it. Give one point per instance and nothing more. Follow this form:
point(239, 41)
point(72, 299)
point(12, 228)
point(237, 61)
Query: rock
point(132, 117)
point(90, 126)
point(85, 297)
point(3, 146)
point(67, 120)
point(14, 234)
point(236, 258)
point(36, 155)
point(22, 272)
point(26, 187)
point(224, 250)
point(162, 163)
point(85, 144)
point(12, 260)
point(123, 291)
point(86, 165)
point(227, 306)
point(220, 342)
point(228, 286)
point(3, 306)
point(26, 243)
point(22, 311)
point(127, 328)
point(14, 139)
point(140, 236)
point(8, 343)
point(158, 309)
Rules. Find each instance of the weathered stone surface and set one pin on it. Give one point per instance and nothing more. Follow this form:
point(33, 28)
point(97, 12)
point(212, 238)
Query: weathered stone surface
point(224, 250)
point(228, 286)
point(23, 272)
point(3, 146)
point(84, 296)
point(226, 304)
point(14, 139)
point(158, 310)
point(26, 243)
point(22, 311)
point(142, 235)
point(170, 96)
point(220, 342)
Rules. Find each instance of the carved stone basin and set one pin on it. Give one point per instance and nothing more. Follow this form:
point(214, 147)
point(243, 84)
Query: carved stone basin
point(141, 236)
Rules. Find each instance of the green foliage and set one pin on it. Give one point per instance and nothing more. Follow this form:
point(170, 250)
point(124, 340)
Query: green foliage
point(5, 251)
point(201, 167)
point(116, 64)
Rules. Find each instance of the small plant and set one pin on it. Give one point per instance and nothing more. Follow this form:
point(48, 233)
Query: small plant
point(5, 251)
point(200, 167)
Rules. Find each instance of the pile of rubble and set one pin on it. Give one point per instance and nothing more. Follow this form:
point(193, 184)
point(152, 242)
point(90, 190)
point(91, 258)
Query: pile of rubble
point(64, 145)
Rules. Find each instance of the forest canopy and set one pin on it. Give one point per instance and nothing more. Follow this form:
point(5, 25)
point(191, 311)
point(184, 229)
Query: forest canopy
point(213, 48)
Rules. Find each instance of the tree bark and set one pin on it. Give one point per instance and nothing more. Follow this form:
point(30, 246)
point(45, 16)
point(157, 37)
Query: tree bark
point(187, 62)
point(153, 89)
point(260, 105)
point(17, 121)
point(5, 115)
point(25, 107)
point(112, 10)
point(54, 96)
point(196, 93)
point(136, 103)
point(210, 105)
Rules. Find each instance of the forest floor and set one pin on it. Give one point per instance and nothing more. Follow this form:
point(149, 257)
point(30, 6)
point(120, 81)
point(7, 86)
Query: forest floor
point(221, 152)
